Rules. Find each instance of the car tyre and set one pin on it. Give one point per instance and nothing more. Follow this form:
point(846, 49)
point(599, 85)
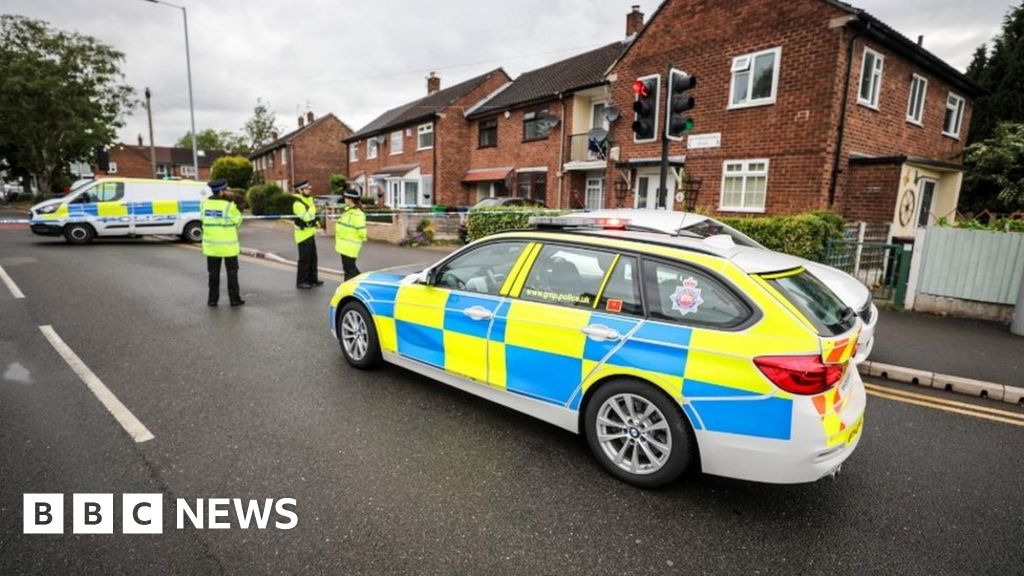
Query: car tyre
point(357, 336)
point(639, 434)
point(79, 234)
point(193, 232)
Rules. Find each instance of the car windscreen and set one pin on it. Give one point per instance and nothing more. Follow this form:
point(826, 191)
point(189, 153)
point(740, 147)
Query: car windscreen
point(815, 301)
point(487, 203)
point(709, 227)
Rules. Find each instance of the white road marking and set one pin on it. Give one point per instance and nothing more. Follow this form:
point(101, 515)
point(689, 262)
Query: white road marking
point(124, 416)
point(10, 284)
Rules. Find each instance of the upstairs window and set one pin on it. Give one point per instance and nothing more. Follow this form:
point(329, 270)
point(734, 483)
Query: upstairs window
point(396, 142)
point(915, 107)
point(870, 78)
point(371, 148)
point(425, 136)
point(755, 78)
point(536, 125)
point(488, 136)
point(954, 115)
point(353, 152)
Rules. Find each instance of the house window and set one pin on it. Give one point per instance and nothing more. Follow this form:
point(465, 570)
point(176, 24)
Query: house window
point(744, 185)
point(112, 168)
point(755, 78)
point(954, 115)
point(396, 142)
point(536, 125)
point(532, 185)
point(915, 107)
point(188, 170)
point(284, 156)
point(595, 193)
point(488, 137)
point(270, 159)
point(870, 78)
point(353, 152)
point(425, 136)
point(163, 170)
point(371, 148)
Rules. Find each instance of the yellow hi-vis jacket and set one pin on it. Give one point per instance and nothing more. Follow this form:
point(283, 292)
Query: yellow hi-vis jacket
point(221, 220)
point(350, 232)
point(305, 218)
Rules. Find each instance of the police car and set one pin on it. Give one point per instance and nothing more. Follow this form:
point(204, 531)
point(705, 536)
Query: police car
point(668, 353)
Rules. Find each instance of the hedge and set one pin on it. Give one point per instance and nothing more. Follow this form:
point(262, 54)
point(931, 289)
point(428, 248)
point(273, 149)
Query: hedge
point(494, 220)
point(264, 199)
point(803, 235)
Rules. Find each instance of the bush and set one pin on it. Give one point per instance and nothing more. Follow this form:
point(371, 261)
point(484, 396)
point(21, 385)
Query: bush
point(281, 204)
point(496, 220)
point(803, 235)
point(237, 170)
point(338, 184)
point(260, 196)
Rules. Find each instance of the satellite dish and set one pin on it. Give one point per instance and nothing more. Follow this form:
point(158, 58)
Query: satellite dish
point(611, 113)
point(548, 120)
point(597, 134)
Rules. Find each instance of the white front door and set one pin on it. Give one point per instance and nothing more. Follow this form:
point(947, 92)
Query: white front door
point(395, 193)
point(595, 193)
point(646, 194)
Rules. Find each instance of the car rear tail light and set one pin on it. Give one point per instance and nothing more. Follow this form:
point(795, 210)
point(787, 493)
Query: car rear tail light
point(806, 375)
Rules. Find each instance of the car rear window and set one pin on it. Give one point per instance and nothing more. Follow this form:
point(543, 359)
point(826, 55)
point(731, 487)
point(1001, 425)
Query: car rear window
point(812, 298)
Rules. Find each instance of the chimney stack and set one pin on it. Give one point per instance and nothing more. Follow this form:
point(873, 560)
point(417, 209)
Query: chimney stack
point(140, 139)
point(433, 84)
point(273, 135)
point(309, 117)
point(920, 40)
point(634, 21)
point(302, 121)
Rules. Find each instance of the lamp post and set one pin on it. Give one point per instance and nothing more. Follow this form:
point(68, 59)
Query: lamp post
point(188, 67)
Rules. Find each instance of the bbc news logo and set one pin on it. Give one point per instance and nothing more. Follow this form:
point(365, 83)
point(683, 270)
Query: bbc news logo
point(144, 513)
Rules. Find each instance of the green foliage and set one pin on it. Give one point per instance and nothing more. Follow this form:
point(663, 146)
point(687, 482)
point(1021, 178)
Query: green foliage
point(281, 203)
point(998, 225)
point(262, 199)
point(995, 171)
point(338, 184)
point(494, 220)
point(259, 128)
point(424, 234)
point(237, 170)
point(62, 94)
point(1000, 71)
point(210, 139)
point(803, 235)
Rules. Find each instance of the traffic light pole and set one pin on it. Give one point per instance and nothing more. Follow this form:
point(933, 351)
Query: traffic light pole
point(663, 179)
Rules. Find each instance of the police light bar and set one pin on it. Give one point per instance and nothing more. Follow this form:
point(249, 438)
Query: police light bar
point(578, 222)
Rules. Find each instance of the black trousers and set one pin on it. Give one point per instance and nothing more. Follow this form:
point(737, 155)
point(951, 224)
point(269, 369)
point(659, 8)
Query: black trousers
point(213, 268)
point(348, 264)
point(307, 273)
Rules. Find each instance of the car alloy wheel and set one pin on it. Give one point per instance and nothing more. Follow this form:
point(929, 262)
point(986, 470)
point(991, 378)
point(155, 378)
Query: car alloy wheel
point(634, 434)
point(355, 336)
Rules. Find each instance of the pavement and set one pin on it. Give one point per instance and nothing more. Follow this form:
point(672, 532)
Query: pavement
point(396, 474)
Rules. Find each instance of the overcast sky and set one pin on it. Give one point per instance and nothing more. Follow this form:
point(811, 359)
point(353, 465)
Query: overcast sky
point(358, 58)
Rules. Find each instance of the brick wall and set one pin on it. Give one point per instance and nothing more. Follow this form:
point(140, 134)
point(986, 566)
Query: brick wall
point(313, 154)
point(133, 162)
point(871, 192)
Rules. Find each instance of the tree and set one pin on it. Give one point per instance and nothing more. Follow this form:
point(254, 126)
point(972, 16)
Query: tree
point(237, 170)
point(62, 95)
point(995, 171)
point(261, 126)
point(210, 139)
point(1000, 71)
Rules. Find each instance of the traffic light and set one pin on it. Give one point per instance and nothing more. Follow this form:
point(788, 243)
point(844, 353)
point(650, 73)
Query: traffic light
point(677, 121)
point(645, 121)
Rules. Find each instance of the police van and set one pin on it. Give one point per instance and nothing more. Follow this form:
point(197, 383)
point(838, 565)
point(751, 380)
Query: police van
point(124, 207)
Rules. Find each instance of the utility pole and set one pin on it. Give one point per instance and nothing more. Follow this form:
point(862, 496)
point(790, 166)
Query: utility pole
point(152, 146)
point(663, 179)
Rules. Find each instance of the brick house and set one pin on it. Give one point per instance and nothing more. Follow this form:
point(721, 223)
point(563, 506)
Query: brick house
point(414, 155)
point(131, 161)
point(522, 133)
point(314, 151)
point(803, 106)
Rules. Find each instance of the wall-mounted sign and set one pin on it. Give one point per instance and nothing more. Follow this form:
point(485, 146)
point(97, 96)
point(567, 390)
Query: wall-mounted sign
point(697, 141)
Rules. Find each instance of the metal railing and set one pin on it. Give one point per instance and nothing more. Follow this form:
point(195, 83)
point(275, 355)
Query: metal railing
point(884, 268)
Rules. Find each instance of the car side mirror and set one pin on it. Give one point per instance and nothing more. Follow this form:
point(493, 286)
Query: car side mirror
point(426, 277)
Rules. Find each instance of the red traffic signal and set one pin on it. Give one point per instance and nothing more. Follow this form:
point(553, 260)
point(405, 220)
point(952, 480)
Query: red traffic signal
point(645, 120)
point(640, 89)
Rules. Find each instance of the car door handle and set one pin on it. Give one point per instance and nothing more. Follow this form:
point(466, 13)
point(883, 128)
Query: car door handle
point(600, 332)
point(478, 313)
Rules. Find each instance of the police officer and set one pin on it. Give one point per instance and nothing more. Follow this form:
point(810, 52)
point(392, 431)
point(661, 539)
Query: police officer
point(221, 219)
point(305, 236)
point(350, 233)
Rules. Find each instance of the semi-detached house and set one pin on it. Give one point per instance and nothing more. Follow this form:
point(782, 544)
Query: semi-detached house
point(802, 105)
point(414, 155)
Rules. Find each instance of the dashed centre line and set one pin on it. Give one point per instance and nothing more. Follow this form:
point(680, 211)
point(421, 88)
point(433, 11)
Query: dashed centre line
point(122, 414)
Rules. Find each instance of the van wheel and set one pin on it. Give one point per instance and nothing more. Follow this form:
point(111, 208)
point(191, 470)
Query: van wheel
point(79, 233)
point(193, 232)
point(639, 434)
